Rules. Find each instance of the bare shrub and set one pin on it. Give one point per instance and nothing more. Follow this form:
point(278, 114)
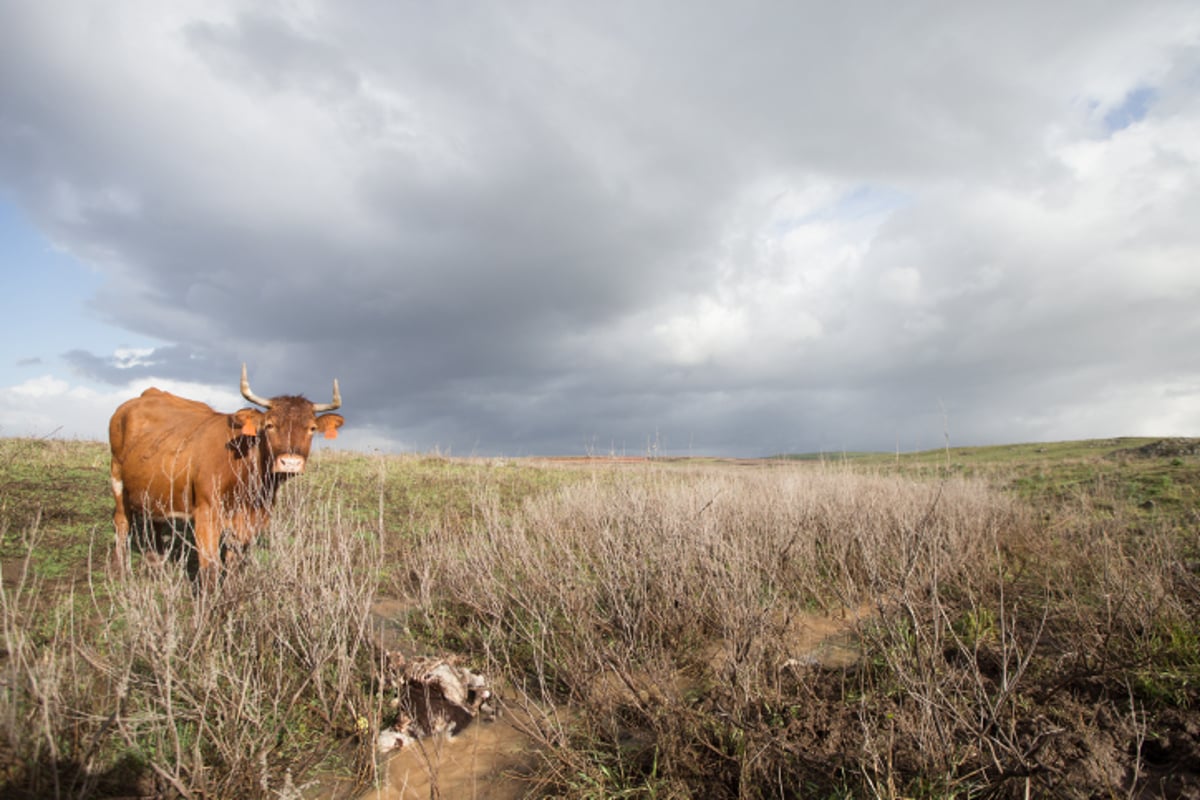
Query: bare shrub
point(235, 692)
point(661, 603)
point(1002, 653)
point(31, 676)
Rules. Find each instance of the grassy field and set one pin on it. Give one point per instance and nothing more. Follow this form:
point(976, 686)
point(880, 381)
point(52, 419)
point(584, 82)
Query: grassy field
point(1014, 621)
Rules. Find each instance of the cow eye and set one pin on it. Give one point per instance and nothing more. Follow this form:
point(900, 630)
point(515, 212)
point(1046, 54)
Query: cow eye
point(270, 426)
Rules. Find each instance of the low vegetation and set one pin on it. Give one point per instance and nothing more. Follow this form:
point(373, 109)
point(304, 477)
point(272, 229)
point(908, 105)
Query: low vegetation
point(992, 622)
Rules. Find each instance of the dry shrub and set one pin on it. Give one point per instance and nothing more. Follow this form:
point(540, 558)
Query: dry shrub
point(664, 607)
point(1047, 674)
point(661, 604)
point(145, 686)
point(655, 622)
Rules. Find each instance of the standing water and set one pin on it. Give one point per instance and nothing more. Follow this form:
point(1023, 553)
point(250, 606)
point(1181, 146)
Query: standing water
point(487, 760)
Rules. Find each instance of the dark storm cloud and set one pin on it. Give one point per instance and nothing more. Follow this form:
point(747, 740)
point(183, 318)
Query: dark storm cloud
point(177, 363)
point(718, 227)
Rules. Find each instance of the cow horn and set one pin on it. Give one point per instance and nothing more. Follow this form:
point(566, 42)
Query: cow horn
point(249, 395)
point(337, 401)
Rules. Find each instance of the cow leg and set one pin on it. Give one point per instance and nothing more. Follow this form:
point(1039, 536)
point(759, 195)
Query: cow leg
point(208, 546)
point(120, 519)
point(234, 545)
point(245, 526)
point(236, 542)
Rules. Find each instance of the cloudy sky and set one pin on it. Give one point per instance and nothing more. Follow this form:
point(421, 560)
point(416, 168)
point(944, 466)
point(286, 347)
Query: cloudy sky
point(563, 227)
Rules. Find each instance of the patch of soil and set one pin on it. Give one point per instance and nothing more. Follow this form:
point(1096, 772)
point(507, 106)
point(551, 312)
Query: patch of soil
point(826, 640)
point(10, 571)
point(1170, 756)
point(388, 630)
point(126, 780)
point(487, 760)
point(53, 498)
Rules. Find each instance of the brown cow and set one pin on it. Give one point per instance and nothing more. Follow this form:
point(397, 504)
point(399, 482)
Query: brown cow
point(174, 458)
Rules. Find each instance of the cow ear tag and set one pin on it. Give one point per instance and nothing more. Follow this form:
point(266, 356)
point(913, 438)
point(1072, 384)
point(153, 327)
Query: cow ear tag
point(331, 433)
point(248, 428)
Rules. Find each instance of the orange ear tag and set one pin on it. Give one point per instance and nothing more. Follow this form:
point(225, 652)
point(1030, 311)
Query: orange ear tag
point(331, 433)
point(248, 428)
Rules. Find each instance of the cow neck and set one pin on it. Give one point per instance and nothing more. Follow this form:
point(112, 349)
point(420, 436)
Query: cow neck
point(258, 483)
point(269, 480)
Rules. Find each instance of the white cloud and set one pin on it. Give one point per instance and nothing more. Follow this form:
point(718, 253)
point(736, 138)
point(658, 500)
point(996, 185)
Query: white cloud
point(129, 357)
point(42, 386)
point(707, 332)
point(49, 404)
point(901, 285)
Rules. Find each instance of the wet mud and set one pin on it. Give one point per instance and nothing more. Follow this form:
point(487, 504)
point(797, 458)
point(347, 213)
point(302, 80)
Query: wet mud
point(487, 760)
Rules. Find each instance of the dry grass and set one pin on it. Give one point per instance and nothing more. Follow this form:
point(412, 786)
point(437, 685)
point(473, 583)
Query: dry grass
point(664, 626)
point(148, 684)
point(664, 608)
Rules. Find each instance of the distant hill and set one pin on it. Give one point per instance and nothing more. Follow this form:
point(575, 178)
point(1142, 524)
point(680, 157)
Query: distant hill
point(830, 456)
point(1145, 446)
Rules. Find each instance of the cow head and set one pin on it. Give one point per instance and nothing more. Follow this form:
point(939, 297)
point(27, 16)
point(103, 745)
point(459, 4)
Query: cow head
point(285, 429)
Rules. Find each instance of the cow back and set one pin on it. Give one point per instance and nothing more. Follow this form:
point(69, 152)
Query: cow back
point(172, 451)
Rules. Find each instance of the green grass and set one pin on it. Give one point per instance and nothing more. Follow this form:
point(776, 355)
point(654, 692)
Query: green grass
point(1107, 472)
point(992, 455)
point(63, 487)
point(64, 484)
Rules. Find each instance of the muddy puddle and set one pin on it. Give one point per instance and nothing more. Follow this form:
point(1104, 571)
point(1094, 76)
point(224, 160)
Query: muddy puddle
point(828, 641)
point(487, 760)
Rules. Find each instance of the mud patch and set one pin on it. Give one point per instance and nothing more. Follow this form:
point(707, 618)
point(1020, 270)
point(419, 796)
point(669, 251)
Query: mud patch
point(11, 570)
point(487, 760)
point(489, 755)
point(389, 630)
point(826, 640)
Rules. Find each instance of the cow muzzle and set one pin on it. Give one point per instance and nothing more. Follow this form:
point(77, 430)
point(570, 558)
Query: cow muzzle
point(289, 463)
